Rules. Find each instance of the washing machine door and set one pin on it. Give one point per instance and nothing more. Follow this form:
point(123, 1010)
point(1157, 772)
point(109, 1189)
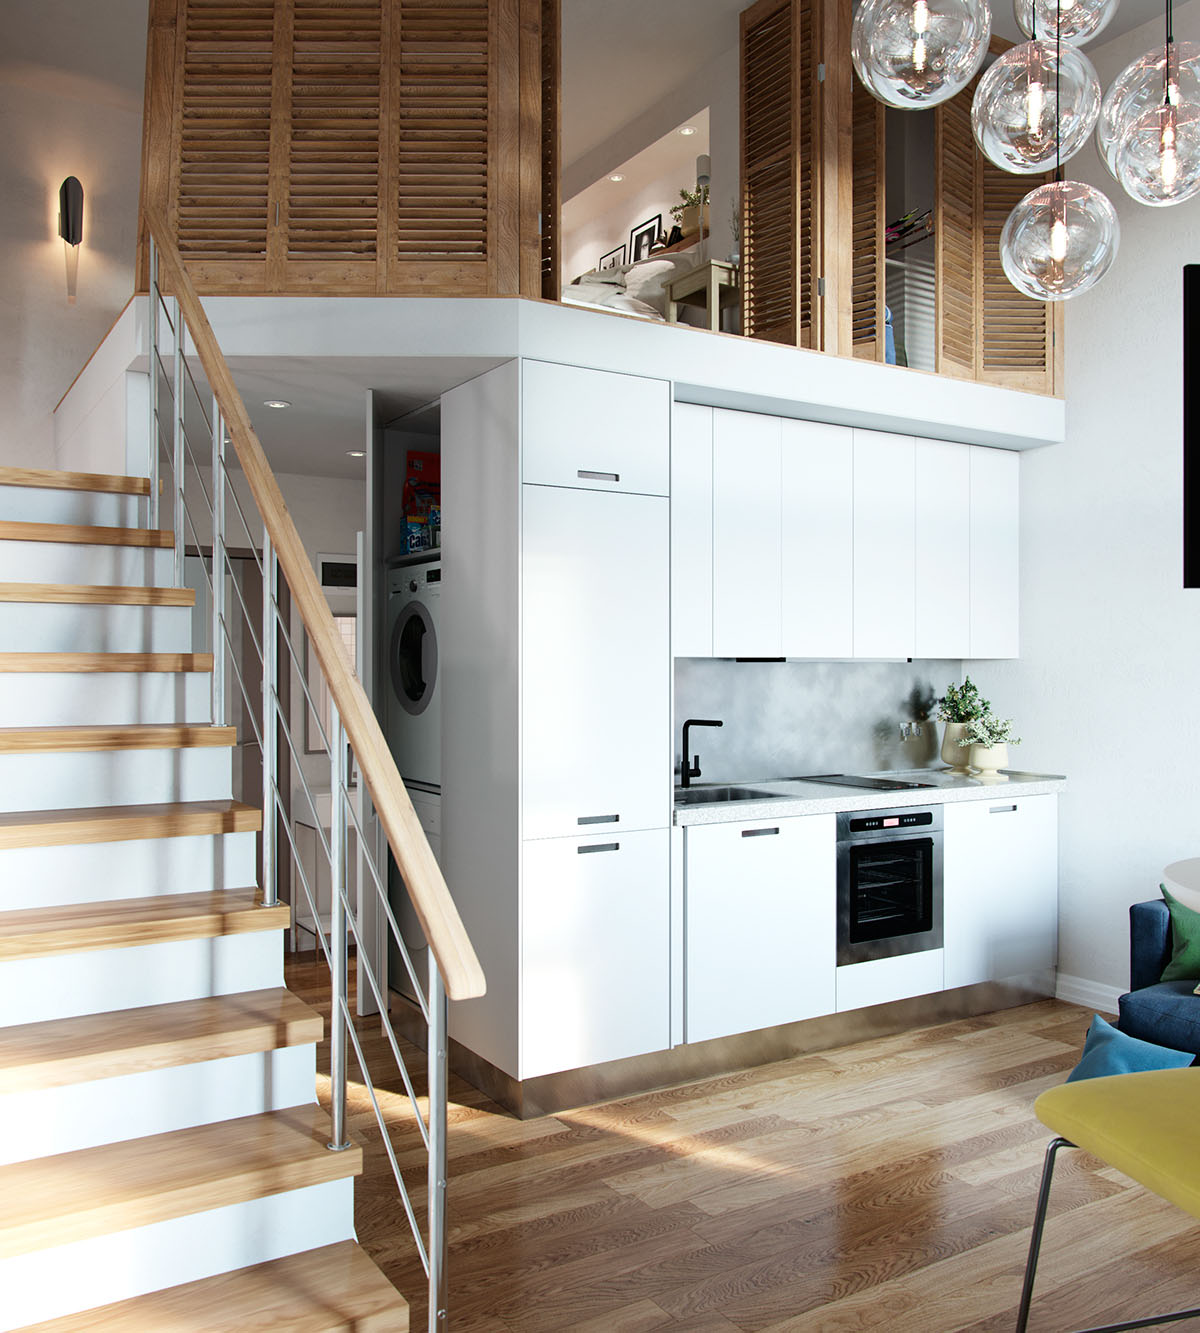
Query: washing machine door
point(413, 658)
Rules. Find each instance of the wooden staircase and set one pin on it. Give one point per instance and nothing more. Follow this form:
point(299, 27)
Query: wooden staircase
point(163, 1165)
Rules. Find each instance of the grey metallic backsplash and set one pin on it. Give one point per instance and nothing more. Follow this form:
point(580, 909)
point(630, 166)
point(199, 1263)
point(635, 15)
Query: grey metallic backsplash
point(787, 719)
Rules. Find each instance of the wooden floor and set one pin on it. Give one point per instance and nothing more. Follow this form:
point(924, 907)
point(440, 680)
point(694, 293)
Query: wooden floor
point(887, 1185)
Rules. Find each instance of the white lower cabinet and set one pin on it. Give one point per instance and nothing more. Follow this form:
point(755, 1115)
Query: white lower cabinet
point(759, 924)
point(595, 950)
point(883, 980)
point(1001, 888)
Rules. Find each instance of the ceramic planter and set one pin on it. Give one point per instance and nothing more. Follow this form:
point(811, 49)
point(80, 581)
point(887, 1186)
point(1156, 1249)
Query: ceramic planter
point(952, 753)
point(988, 758)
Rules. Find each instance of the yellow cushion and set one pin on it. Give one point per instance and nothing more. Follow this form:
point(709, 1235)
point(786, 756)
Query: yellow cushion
point(1145, 1125)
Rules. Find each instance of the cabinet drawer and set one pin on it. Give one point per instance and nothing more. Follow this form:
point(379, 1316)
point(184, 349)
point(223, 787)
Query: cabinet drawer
point(885, 979)
point(594, 429)
point(595, 950)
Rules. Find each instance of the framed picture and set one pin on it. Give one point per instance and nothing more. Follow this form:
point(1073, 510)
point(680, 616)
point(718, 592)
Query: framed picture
point(614, 259)
point(643, 237)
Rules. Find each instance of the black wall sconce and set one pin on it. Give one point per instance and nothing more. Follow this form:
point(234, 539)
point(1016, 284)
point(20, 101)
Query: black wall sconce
point(70, 228)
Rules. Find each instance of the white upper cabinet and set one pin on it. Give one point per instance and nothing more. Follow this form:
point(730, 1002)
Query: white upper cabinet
point(747, 535)
point(884, 544)
point(596, 666)
point(995, 553)
point(943, 546)
point(594, 430)
point(817, 540)
point(692, 531)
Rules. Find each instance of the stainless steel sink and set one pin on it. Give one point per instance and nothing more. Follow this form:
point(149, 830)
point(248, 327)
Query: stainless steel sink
point(710, 795)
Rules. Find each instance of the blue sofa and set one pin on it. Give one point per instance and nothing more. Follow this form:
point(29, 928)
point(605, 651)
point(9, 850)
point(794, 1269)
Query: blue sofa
point(1164, 1012)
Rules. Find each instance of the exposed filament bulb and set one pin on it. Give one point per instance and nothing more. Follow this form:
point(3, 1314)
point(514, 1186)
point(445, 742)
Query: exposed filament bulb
point(920, 23)
point(1035, 99)
point(1058, 240)
point(1167, 160)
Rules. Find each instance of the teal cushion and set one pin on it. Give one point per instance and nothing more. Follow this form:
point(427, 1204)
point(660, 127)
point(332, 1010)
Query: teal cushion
point(1107, 1051)
point(1185, 942)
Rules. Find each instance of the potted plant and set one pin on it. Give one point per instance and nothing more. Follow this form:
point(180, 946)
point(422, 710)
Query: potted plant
point(687, 211)
point(961, 705)
point(989, 738)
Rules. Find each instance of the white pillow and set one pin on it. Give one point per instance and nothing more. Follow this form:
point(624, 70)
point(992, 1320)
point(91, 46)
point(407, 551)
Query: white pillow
point(609, 297)
point(647, 280)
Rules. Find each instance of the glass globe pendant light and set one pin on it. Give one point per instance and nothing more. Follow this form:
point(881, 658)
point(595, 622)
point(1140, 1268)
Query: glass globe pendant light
point(1139, 88)
point(1036, 105)
point(917, 53)
point(1080, 20)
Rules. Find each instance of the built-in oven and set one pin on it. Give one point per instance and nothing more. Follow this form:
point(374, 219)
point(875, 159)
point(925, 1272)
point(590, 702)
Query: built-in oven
point(889, 881)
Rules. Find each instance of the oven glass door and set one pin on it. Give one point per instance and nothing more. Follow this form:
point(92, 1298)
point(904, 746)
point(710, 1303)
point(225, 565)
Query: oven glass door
point(891, 889)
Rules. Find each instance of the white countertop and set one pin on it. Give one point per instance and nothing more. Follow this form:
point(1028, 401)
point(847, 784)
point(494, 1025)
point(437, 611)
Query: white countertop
point(812, 798)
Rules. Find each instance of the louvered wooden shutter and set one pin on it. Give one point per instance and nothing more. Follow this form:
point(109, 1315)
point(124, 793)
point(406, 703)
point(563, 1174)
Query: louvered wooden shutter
point(956, 238)
point(223, 109)
point(780, 249)
point(868, 171)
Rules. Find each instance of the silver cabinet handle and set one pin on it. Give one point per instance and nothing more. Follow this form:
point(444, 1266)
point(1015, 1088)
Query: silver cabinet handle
point(599, 847)
point(584, 475)
point(758, 832)
point(598, 819)
point(1002, 810)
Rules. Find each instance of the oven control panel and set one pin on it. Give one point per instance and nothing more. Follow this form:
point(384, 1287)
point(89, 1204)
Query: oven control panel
point(871, 823)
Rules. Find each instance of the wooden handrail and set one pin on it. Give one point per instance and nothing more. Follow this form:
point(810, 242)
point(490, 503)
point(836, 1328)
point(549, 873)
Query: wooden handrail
point(443, 927)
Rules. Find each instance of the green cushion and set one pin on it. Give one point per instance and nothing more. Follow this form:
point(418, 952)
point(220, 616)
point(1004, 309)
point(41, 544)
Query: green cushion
point(1107, 1051)
point(1185, 942)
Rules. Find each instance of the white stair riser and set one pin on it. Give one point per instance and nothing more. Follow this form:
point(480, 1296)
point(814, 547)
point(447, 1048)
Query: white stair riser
point(139, 868)
point(37, 504)
point(87, 778)
point(64, 627)
point(33, 990)
point(48, 1284)
point(156, 1101)
point(71, 562)
point(76, 699)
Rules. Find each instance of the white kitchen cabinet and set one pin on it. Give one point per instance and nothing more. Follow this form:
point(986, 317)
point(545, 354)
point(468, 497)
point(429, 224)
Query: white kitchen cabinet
point(885, 980)
point(995, 558)
point(692, 531)
point(595, 979)
point(1001, 887)
point(817, 540)
point(747, 535)
point(594, 429)
point(596, 669)
point(884, 544)
point(760, 926)
point(943, 549)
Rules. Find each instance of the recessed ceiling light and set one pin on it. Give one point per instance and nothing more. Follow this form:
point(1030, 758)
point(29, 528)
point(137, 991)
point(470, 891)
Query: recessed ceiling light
point(688, 129)
point(276, 402)
point(356, 453)
point(616, 176)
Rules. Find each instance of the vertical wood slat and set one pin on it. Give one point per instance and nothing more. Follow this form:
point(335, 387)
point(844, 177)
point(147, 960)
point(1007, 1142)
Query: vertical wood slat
point(868, 182)
point(956, 262)
point(834, 255)
point(157, 125)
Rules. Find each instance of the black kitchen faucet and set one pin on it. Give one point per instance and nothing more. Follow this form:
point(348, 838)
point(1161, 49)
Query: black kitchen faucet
point(691, 767)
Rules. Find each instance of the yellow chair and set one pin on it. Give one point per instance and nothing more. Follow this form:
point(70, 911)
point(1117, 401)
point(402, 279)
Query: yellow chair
point(1146, 1125)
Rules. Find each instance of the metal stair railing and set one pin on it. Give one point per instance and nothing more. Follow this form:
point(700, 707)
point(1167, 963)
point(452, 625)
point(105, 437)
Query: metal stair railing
point(180, 340)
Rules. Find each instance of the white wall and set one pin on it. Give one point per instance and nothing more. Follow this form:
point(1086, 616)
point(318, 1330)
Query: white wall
point(83, 118)
point(1106, 687)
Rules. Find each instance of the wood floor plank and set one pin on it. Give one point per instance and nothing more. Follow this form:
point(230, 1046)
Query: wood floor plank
point(336, 1289)
point(84, 534)
point(120, 823)
point(92, 662)
point(97, 594)
point(140, 736)
point(49, 479)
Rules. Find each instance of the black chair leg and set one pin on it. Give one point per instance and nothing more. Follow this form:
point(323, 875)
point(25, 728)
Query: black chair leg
point(1039, 1223)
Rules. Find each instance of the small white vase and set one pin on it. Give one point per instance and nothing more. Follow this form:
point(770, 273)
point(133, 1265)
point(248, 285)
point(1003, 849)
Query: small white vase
point(952, 753)
point(988, 759)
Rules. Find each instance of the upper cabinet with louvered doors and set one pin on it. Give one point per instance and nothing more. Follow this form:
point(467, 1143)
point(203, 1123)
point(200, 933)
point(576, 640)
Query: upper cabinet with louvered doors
point(352, 146)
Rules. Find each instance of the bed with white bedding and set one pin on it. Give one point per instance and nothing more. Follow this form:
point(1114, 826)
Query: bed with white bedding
point(633, 289)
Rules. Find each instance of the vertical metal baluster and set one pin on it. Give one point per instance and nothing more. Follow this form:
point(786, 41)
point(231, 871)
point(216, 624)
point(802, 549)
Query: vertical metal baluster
point(218, 565)
point(338, 941)
point(178, 461)
point(438, 1100)
point(152, 333)
point(270, 690)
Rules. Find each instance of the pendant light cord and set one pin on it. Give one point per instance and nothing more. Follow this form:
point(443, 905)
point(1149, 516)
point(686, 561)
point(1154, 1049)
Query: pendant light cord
point(1058, 89)
point(1167, 54)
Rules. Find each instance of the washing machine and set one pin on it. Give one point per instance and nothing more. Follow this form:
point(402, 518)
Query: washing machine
point(414, 714)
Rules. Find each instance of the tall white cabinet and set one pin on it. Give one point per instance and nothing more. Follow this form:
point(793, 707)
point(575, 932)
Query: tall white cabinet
point(557, 747)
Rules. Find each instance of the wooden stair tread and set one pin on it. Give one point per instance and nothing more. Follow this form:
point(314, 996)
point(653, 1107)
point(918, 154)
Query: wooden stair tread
point(84, 534)
point(133, 736)
point(52, 480)
point(121, 823)
point(62, 1051)
point(336, 1289)
point(97, 593)
point(52, 1201)
point(77, 662)
point(122, 923)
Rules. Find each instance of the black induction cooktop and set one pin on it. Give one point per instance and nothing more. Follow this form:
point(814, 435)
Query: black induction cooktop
point(871, 784)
